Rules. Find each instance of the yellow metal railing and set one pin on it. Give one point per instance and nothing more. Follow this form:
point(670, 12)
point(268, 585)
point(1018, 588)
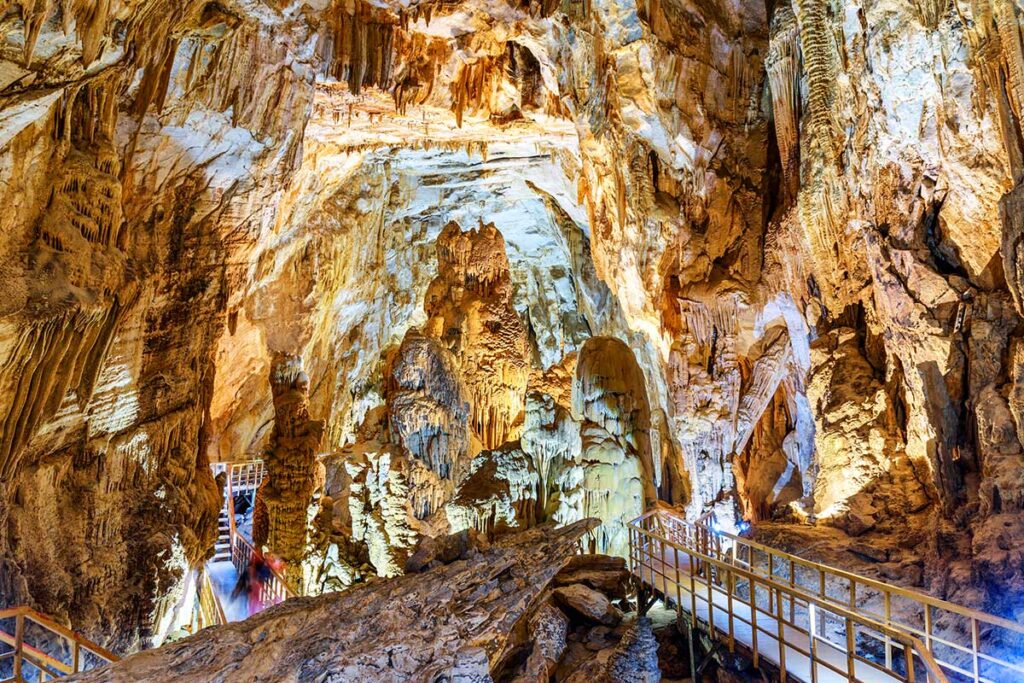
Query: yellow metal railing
point(952, 633)
point(211, 611)
point(688, 564)
point(32, 663)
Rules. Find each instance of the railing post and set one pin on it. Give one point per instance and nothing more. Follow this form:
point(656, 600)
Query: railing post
point(976, 647)
point(632, 548)
point(792, 595)
point(711, 598)
point(812, 614)
point(679, 594)
point(779, 618)
point(928, 626)
point(693, 594)
point(888, 624)
point(850, 645)
point(75, 656)
point(19, 645)
point(753, 618)
point(729, 583)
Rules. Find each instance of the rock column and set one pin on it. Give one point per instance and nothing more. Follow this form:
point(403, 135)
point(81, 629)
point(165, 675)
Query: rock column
point(291, 461)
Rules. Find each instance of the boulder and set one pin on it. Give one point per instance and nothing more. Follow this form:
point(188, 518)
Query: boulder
point(589, 603)
point(445, 549)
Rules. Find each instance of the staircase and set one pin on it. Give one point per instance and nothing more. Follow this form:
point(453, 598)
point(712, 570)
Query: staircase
point(809, 622)
point(222, 548)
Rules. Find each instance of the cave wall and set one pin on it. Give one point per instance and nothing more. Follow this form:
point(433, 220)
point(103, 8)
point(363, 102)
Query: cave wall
point(142, 145)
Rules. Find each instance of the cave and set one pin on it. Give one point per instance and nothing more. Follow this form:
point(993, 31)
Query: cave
point(521, 340)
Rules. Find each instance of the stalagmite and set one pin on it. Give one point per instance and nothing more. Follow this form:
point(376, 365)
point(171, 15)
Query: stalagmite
point(293, 473)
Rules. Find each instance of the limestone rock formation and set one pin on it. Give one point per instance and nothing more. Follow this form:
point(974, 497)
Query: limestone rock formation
point(293, 472)
point(860, 452)
point(469, 308)
point(455, 620)
point(429, 409)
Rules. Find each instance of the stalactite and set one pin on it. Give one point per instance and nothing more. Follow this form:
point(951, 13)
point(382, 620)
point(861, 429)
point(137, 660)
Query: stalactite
point(1008, 19)
point(91, 19)
point(821, 63)
point(768, 371)
point(363, 46)
point(475, 85)
point(783, 66)
point(34, 14)
point(60, 354)
point(931, 12)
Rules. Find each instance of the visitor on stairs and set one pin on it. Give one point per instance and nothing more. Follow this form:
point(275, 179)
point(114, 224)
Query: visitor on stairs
point(252, 581)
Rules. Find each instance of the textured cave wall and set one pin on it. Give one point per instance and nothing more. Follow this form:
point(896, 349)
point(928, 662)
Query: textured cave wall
point(756, 180)
point(141, 145)
point(345, 273)
point(905, 146)
point(610, 398)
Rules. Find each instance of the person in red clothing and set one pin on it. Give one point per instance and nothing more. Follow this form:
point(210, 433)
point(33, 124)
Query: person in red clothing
point(274, 565)
point(258, 574)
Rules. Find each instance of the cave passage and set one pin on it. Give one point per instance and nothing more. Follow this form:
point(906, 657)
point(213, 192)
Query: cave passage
point(515, 340)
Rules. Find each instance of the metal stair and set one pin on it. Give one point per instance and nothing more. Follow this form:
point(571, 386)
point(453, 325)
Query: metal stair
point(222, 548)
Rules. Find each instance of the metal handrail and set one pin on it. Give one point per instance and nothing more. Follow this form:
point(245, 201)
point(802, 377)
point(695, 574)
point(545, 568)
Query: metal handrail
point(916, 595)
point(706, 562)
point(46, 664)
point(211, 611)
point(736, 547)
point(926, 604)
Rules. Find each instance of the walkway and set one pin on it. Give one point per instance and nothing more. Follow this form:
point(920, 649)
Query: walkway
point(33, 647)
point(224, 576)
point(752, 597)
point(754, 630)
